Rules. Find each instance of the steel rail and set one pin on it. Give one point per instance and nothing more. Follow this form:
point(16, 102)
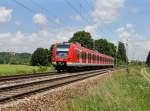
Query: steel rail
point(21, 90)
point(23, 76)
point(20, 85)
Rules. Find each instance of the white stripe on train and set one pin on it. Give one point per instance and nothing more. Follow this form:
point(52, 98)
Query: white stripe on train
point(85, 64)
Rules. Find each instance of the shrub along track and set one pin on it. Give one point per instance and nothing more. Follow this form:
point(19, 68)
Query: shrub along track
point(24, 88)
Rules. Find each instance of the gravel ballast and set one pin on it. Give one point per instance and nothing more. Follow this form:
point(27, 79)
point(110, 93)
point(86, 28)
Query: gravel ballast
point(54, 100)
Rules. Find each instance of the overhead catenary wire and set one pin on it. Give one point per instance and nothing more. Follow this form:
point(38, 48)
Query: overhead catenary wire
point(25, 7)
point(88, 14)
point(76, 10)
point(44, 9)
point(87, 20)
point(32, 11)
point(88, 4)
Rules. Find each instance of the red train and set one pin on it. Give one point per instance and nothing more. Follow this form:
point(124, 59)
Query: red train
point(72, 56)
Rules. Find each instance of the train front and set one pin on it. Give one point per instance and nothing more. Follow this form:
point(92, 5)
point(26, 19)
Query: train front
point(60, 56)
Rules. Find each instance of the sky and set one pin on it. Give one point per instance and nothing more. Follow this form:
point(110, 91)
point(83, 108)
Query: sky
point(28, 24)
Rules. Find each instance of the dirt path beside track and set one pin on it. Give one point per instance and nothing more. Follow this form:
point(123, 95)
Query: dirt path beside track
point(145, 74)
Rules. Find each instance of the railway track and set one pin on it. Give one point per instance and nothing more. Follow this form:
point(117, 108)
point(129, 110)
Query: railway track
point(16, 90)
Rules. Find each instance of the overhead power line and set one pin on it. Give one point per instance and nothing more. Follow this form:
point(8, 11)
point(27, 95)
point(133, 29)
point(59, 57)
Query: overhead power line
point(77, 11)
point(88, 4)
point(27, 8)
point(44, 9)
point(71, 6)
point(30, 9)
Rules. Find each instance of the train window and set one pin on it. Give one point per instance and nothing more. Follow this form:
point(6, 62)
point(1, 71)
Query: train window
point(89, 56)
point(86, 55)
point(100, 59)
point(62, 50)
point(93, 57)
point(62, 46)
point(83, 55)
point(97, 59)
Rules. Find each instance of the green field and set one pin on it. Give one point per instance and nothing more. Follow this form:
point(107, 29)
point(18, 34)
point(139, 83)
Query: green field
point(122, 92)
point(21, 69)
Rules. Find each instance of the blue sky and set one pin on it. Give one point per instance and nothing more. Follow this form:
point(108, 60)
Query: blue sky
point(43, 22)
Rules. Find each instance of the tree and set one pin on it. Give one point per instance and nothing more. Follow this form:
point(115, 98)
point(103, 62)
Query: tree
point(148, 59)
point(84, 38)
point(13, 60)
point(50, 53)
point(105, 47)
point(39, 57)
point(121, 54)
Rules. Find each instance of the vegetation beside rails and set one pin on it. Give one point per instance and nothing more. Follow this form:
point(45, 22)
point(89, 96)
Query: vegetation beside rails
point(6, 69)
point(148, 70)
point(122, 92)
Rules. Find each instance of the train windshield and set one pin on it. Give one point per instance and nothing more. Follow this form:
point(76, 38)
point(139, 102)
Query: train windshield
point(62, 51)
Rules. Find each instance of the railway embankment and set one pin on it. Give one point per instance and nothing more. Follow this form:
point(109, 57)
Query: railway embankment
point(122, 92)
point(55, 99)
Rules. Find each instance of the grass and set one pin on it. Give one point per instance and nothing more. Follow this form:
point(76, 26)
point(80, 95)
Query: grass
point(6, 69)
point(122, 92)
point(148, 70)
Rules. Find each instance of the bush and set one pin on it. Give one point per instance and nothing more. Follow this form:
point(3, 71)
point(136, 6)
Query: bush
point(39, 57)
point(42, 69)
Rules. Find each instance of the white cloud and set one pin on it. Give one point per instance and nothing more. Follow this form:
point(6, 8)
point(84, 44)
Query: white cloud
point(28, 42)
point(25, 42)
point(5, 14)
point(133, 10)
point(64, 34)
point(138, 46)
point(17, 23)
point(40, 19)
point(76, 18)
point(105, 11)
point(92, 29)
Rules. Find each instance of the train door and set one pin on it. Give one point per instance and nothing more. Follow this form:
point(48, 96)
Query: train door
point(91, 58)
point(83, 57)
point(80, 57)
point(97, 59)
point(87, 57)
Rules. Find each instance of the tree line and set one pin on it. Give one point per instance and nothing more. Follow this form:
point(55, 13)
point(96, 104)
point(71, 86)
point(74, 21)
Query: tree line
point(101, 45)
point(14, 58)
point(42, 57)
